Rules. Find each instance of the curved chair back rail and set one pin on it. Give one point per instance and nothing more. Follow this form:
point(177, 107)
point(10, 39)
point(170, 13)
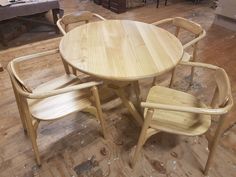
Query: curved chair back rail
point(190, 26)
point(76, 17)
point(182, 23)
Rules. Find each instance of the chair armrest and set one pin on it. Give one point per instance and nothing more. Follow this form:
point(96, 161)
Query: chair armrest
point(60, 27)
point(36, 55)
point(168, 20)
point(45, 94)
point(208, 111)
point(198, 64)
point(99, 16)
point(194, 41)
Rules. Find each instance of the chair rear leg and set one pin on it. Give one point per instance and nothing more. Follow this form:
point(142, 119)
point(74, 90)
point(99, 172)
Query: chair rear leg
point(191, 76)
point(142, 137)
point(193, 60)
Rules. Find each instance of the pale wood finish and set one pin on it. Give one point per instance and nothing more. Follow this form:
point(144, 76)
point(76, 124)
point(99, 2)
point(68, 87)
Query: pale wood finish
point(177, 112)
point(176, 122)
point(70, 21)
point(120, 89)
point(52, 100)
point(190, 26)
point(129, 105)
point(60, 141)
point(121, 50)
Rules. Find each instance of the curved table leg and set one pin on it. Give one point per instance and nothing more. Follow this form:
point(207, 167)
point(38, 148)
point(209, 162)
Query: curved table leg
point(128, 104)
point(138, 96)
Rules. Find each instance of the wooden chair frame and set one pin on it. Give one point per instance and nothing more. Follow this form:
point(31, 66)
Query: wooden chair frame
point(23, 93)
point(195, 28)
point(82, 16)
point(62, 23)
point(221, 104)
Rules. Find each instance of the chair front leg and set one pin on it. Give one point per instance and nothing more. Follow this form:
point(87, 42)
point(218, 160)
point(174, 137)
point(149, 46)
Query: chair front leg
point(142, 137)
point(32, 126)
point(214, 145)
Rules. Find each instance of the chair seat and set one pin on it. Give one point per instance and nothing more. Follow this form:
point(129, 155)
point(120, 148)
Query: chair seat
point(177, 122)
point(186, 57)
point(58, 106)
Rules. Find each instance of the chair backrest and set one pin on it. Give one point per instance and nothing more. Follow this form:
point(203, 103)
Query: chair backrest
point(190, 26)
point(69, 69)
point(13, 70)
point(14, 67)
point(223, 94)
point(187, 25)
point(19, 87)
point(70, 21)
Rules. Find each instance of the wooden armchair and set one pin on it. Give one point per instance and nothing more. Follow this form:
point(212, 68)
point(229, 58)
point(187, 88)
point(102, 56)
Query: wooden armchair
point(181, 113)
point(52, 100)
point(70, 21)
point(190, 26)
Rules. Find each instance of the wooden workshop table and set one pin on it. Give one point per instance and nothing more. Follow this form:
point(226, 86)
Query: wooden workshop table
point(121, 51)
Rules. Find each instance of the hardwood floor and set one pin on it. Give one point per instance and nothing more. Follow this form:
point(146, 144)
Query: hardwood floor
point(74, 147)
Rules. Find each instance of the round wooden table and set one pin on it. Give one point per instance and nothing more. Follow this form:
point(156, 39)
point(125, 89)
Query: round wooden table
point(121, 50)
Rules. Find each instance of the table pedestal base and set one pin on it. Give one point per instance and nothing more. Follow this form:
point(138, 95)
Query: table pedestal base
point(119, 89)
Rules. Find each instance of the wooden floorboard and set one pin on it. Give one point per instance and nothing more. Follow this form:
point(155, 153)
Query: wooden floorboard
point(73, 146)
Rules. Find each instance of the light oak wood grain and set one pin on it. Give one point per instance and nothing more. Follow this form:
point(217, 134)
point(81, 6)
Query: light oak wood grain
point(184, 24)
point(52, 100)
point(181, 113)
point(121, 50)
point(60, 141)
point(70, 21)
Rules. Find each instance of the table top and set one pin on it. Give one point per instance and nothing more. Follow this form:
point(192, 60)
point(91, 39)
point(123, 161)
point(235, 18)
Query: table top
point(121, 50)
